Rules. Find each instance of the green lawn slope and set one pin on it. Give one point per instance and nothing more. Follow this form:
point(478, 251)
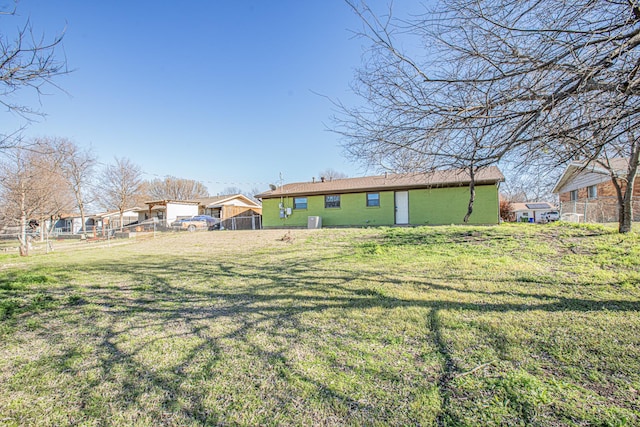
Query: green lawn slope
point(457, 326)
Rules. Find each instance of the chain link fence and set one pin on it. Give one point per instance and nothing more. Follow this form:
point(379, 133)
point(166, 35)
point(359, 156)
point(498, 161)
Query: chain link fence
point(595, 211)
point(253, 222)
point(10, 236)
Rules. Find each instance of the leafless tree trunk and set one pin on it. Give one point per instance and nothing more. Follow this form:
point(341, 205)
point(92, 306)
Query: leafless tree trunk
point(624, 186)
point(549, 81)
point(626, 217)
point(31, 186)
point(472, 194)
point(626, 221)
point(24, 244)
point(77, 169)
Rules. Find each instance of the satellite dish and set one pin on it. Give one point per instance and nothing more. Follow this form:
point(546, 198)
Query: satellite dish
point(272, 187)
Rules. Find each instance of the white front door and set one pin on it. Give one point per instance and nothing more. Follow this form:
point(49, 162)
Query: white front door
point(402, 207)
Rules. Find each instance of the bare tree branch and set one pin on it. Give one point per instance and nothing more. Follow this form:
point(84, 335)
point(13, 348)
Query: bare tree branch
point(118, 186)
point(26, 61)
point(172, 188)
point(498, 80)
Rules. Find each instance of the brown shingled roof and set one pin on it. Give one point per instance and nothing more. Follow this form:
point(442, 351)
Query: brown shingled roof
point(442, 178)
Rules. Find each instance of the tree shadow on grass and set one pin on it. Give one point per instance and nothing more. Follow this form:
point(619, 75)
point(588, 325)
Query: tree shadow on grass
point(135, 308)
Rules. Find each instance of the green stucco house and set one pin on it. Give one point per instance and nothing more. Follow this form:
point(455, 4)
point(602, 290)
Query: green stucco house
point(434, 198)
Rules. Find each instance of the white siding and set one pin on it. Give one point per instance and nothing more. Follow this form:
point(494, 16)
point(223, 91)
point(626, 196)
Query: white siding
point(584, 179)
point(175, 210)
point(76, 225)
point(531, 213)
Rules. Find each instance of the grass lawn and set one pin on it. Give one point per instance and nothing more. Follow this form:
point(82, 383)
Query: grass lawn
point(507, 325)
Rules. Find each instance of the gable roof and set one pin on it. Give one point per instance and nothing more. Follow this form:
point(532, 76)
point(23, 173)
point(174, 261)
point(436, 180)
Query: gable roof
point(211, 202)
point(109, 214)
point(576, 168)
point(441, 178)
point(152, 203)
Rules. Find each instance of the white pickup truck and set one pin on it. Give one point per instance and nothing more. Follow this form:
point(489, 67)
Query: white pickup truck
point(550, 216)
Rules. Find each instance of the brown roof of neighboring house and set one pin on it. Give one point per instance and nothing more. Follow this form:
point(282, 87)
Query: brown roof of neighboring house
point(442, 178)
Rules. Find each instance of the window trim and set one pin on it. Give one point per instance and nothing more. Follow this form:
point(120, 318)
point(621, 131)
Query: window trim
point(377, 200)
point(573, 195)
point(326, 206)
point(592, 189)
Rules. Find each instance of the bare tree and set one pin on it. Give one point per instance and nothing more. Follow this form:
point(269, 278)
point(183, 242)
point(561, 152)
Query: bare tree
point(172, 188)
point(27, 60)
point(331, 174)
point(237, 190)
point(529, 183)
point(490, 80)
point(119, 185)
point(77, 167)
point(252, 194)
point(32, 187)
point(232, 190)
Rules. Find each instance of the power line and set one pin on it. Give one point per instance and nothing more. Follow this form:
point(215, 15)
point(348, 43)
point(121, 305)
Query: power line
point(204, 182)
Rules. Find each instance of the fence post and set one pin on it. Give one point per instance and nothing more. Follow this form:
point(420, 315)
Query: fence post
point(585, 212)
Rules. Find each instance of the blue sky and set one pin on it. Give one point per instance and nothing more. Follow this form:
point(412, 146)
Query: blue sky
point(223, 92)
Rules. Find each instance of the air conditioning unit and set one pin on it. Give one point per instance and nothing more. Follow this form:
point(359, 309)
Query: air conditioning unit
point(314, 222)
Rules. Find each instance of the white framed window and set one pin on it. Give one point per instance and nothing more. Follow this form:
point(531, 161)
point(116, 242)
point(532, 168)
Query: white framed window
point(592, 192)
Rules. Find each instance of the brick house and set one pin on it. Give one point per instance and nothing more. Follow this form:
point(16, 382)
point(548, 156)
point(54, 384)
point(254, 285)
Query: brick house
point(587, 191)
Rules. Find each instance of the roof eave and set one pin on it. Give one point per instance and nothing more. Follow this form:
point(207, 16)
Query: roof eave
point(568, 173)
point(164, 202)
point(274, 195)
point(575, 168)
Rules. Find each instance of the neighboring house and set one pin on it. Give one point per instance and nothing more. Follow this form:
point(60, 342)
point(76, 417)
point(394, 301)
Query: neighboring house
point(167, 211)
point(236, 211)
point(111, 219)
point(70, 223)
point(587, 190)
point(531, 211)
point(228, 206)
point(439, 197)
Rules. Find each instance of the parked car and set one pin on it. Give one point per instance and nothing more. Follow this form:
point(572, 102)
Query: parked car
point(550, 216)
point(198, 222)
